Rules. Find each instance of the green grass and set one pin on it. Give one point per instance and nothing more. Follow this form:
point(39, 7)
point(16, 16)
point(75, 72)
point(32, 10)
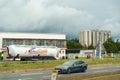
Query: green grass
point(29, 65)
point(56, 62)
point(102, 61)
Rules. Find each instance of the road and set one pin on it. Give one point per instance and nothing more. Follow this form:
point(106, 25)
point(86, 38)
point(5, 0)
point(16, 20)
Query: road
point(40, 75)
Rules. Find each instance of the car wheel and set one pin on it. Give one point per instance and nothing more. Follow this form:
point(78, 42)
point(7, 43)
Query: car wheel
point(83, 69)
point(69, 71)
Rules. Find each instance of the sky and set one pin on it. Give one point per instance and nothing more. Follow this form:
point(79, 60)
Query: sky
point(60, 16)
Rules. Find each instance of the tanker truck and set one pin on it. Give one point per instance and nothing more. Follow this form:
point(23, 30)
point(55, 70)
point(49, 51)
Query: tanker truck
point(25, 52)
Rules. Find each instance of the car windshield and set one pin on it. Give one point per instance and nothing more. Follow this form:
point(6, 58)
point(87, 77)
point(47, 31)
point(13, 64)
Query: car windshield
point(69, 63)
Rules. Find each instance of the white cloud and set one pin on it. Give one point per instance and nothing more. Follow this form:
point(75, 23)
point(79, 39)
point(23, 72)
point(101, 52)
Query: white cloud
point(58, 16)
point(112, 24)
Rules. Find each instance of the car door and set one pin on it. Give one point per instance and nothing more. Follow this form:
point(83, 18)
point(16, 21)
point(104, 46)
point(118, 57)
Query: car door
point(76, 66)
point(79, 65)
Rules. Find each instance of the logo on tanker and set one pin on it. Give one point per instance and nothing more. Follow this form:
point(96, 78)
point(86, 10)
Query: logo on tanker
point(36, 50)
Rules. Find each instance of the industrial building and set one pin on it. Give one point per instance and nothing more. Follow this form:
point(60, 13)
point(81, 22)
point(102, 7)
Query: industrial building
point(15, 38)
point(91, 37)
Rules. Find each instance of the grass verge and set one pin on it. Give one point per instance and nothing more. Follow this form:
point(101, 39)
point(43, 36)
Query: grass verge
point(18, 66)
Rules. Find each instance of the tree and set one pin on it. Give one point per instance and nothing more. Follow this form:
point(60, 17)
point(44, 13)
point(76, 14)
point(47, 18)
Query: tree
point(111, 46)
point(91, 47)
point(118, 44)
point(73, 44)
point(1, 57)
point(85, 47)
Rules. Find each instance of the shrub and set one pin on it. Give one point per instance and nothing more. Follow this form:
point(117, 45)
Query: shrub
point(1, 57)
point(76, 57)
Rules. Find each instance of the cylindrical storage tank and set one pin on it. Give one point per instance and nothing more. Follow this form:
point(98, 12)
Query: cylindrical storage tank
point(28, 51)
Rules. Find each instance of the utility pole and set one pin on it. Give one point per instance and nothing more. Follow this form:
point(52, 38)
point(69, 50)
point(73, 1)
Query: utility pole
point(98, 48)
point(99, 45)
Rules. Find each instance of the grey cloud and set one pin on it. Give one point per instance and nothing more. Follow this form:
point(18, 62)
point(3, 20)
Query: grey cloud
point(59, 16)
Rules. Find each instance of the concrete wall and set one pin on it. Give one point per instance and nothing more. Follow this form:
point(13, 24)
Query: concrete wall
point(84, 53)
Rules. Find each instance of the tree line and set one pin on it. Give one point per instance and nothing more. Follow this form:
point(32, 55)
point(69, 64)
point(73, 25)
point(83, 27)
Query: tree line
point(74, 44)
point(110, 45)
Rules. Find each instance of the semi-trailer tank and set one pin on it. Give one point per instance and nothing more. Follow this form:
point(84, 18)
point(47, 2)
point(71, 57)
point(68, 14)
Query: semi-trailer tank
point(32, 52)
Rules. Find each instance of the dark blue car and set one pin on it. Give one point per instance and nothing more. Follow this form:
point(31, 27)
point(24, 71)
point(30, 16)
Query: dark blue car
point(72, 66)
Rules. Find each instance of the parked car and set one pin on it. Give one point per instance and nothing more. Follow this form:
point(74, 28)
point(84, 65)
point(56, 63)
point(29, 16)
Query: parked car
point(72, 66)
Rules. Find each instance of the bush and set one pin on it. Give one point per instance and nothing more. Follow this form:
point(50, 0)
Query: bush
point(76, 57)
point(1, 57)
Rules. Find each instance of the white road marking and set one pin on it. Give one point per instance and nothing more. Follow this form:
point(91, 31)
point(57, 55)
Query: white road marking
point(98, 68)
point(100, 71)
point(46, 76)
point(30, 74)
point(26, 79)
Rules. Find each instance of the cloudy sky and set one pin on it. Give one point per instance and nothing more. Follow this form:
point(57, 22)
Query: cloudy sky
point(60, 16)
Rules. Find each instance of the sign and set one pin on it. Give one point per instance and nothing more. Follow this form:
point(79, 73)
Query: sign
point(54, 75)
point(36, 51)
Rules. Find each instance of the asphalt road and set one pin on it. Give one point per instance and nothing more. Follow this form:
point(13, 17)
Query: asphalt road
point(40, 75)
